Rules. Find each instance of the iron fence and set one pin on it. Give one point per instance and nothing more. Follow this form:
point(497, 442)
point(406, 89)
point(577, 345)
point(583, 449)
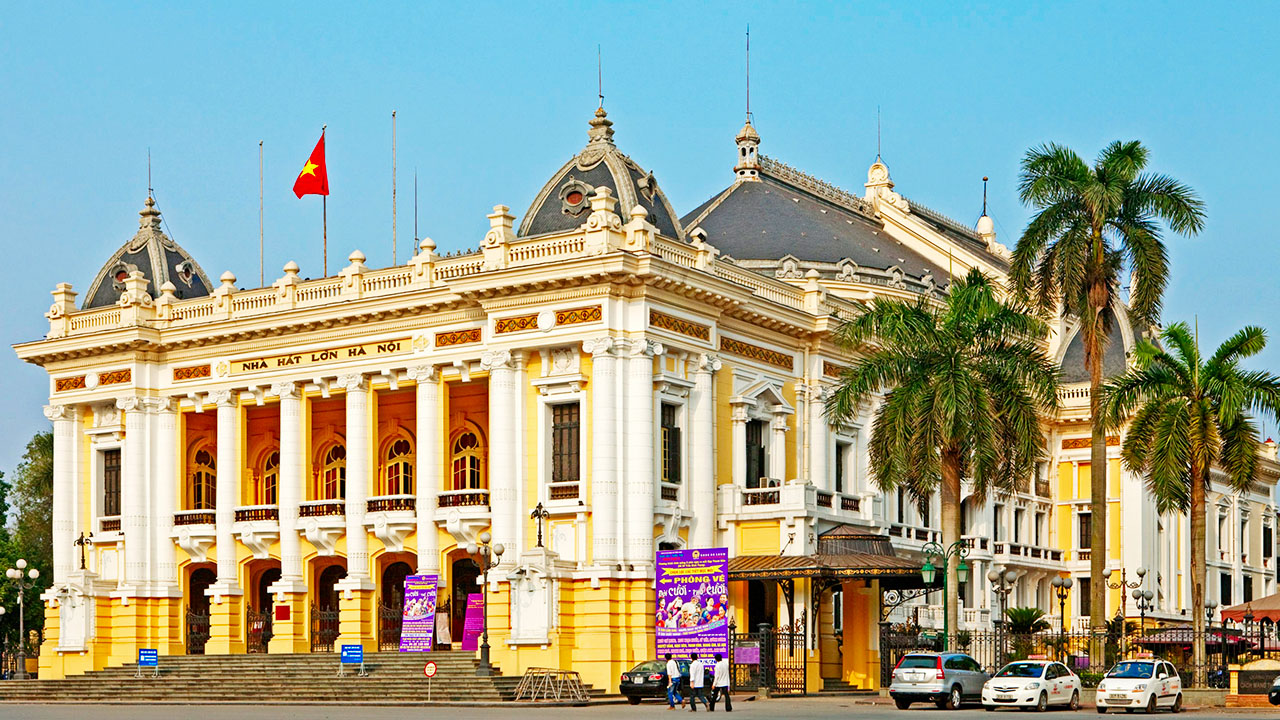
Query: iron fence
point(772, 659)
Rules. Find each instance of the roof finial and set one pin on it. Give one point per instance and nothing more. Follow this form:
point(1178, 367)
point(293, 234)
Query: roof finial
point(984, 194)
point(748, 73)
point(599, 76)
point(877, 133)
point(150, 190)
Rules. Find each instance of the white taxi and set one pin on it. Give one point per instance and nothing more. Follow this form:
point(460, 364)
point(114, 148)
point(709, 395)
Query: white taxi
point(1032, 683)
point(1140, 684)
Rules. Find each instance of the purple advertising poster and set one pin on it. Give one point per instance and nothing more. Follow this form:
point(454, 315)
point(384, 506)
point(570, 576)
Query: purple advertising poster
point(693, 602)
point(417, 627)
point(473, 623)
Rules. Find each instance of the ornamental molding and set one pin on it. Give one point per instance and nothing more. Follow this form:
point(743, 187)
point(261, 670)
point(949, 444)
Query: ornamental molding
point(1084, 442)
point(76, 382)
point(830, 369)
point(323, 532)
point(497, 360)
point(423, 373)
point(518, 323)
point(258, 536)
point(286, 390)
point(576, 316)
point(115, 377)
point(449, 338)
point(599, 347)
point(195, 540)
point(392, 527)
point(756, 352)
point(192, 372)
point(708, 363)
point(55, 413)
point(659, 319)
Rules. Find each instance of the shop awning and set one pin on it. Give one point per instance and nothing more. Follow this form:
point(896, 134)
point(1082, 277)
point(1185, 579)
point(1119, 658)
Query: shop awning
point(1266, 608)
point(843, 554)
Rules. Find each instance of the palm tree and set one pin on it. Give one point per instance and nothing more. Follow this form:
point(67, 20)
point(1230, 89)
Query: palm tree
point(1189, 414)
point(964, 382)
point(1090, 222)
point(1026, 620)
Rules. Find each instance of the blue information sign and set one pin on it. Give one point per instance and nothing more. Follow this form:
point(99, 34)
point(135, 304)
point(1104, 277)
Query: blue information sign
point(353, 654)
point(148, 657)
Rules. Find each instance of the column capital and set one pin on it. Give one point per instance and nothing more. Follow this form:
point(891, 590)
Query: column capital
point(353, 382)
point(225, 398)
point(641, 347)
point(739, 412)
point(708, 363)
point(497, 360)
point(602, 346)
point(59, 412)
point(286, 389)
point(163, 404)
point(423, 373)
point(131, 403)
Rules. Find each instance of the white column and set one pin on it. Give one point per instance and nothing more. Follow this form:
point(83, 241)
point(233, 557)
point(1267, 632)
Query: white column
point(739, 419)
point(430, 443)
point(65, 452)
point(502, 446)
point(820, 442)
point(165, 490)
point(289, 490)
point(778, 448)
point(228, 474)
point(702, 451)
point(133, 506)
point(604, 451)
point(640, 472)
point(359, 471)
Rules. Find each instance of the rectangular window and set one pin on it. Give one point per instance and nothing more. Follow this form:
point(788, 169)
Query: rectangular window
point(1247, 586)
point(1086, 597)
point(902, 506)
point(1244, 537)
point(565, 443)
point(111, 482)
point(670, 444)
point(997, 522)
point(1018, 516)
point(1039, 530)
point(1085, 541)
point(926, 511)
point(755, 453)
point(1268, 546)
point(842, 462)
point(1224, 589)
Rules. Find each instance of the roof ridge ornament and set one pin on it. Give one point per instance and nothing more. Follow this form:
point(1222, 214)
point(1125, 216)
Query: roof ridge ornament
point(601, 128)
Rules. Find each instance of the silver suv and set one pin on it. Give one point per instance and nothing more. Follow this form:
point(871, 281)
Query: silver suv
point(947, 679)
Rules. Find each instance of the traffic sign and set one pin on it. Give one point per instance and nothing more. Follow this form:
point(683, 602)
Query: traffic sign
point(429, 669)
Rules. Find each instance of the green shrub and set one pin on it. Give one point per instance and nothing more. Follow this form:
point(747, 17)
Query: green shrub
point(1090, 679)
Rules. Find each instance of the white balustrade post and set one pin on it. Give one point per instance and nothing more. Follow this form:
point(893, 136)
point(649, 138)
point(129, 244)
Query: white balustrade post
point(65, 446)
point(604, 450)
point(166, 458)
point(502, 446)
point(641, 475)
point(228, 484)
point(133, 495)
point(359, 472)
point(429, 458)
point(702, 484)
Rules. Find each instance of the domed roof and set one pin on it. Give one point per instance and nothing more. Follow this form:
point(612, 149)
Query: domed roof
point(1121, 340)
point(565, 201)
point(156, 256)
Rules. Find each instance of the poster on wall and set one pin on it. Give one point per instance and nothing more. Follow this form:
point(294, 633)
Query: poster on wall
point(693, 602)
point(417, 625)
point(473, 623)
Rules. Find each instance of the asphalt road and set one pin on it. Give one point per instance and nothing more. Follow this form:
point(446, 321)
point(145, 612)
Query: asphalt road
point(788, 709)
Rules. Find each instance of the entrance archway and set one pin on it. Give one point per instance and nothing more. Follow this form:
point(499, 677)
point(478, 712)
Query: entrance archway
point(258, 609)
point(326, 592)
point(391, 604)
point(324, 608)
point(465, 571)
point(197, 617)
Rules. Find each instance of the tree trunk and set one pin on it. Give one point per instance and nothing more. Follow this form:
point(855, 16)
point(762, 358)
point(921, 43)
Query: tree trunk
point(1098, 498)
point(950, 496)
point(1198, 575)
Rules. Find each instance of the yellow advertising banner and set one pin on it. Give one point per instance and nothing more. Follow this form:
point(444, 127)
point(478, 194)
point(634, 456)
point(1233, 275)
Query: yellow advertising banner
point(320, 357)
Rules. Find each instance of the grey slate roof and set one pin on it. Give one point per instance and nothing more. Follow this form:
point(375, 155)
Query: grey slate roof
point(1114, 357)
point(157, 257)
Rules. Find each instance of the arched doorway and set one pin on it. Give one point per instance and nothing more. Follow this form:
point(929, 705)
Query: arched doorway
point(197, 619)
point(391, 604)
point(465, 572)
point(324, 609)
point(258, 611)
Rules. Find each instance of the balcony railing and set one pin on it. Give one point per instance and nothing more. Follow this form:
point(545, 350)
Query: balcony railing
point(110, 523)
point(825, 498)
point(919, 534)
point(670, 492)
point(974, 542)
point(390, 503)
point(850, 504)
point(562, 491)
point(761, 496)
point(322, 508)
point(195, 517)
point(1042, 488)
point(463, 498)
point(1083, 555)
point(1029, 551)
point(255, 513)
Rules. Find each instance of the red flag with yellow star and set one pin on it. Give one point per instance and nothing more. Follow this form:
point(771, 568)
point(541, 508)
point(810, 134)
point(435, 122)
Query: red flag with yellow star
point(314, 178)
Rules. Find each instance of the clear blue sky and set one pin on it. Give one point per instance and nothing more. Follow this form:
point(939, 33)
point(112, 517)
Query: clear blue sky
point(492, 98)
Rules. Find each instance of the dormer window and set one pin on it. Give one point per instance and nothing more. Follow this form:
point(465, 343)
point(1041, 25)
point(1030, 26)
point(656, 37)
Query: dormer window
point(574, 197)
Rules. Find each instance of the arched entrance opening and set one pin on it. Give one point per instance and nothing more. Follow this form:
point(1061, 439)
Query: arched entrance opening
point(324, 607)
point(199, 579)
point(464, 572)
point(259, 603)
point(391, 604)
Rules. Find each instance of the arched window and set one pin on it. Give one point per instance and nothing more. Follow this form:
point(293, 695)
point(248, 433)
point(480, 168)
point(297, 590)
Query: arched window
point(204, 480)
point(468, 462)
point(268, 479)
point(333, 474)
point(397, 471)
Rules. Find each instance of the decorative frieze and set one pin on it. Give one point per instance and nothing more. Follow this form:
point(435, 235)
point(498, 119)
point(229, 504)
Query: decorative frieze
point(831, 369)
point(457, 337)
point(69, 383)
point(502, 326)
point(755, 352)
point(115, 377)
point(1084, 442)
point(576, 316)
point(679, 325)
point(193, 372)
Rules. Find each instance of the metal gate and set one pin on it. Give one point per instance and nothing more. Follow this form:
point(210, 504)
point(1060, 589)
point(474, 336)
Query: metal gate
point(197, 632)
point(772, 659)
point(257, 630)
point(324, 629)
point(390, 618)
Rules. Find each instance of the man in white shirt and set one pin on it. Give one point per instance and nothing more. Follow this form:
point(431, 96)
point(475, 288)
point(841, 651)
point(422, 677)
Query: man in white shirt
point(697, 680)
point(673, 683)
point(720, 684)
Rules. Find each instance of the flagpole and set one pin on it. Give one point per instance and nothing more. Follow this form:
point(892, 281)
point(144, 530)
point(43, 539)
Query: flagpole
point(393, 187)
point(324, 216)
point(262, 272)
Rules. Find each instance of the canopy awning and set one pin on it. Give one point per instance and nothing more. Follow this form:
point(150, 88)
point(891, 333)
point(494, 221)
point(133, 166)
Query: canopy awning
point(843, 554)
point(1266, 608)
point(1184, 637)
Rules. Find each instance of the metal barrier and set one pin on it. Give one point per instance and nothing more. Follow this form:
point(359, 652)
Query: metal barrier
point(551, 685)
point(197, 631)
point(775, 660)
point(390, 620)
point(324, 629)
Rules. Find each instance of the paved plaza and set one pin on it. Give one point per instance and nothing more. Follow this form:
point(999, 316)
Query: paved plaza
point(790, 709)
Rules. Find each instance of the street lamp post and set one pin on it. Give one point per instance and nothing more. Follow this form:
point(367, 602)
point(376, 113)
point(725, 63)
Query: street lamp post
point(1123, 585)
point(490, 556)
point(1062, 588)
point(1145, 601)
point(958, 550)
point(1209, 608)
point(23, 582)
point(1001, 585)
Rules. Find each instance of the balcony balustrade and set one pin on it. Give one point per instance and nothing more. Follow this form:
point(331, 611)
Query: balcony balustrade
point(391, 503)
point(194, 517)
point(258, 513)
point(463, 498)
point(322, 508)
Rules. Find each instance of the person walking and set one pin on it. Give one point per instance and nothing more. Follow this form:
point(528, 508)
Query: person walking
point(720, 684)
point(673, 684)
point(697, 680)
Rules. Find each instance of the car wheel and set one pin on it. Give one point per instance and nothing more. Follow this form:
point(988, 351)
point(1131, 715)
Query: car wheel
point(1177, 704)
point(1075, 701)
point(1043, 703)
point(902, 704)
point(953, 700)
point(633, 699)
point(1151, 704)
point(1101, 710)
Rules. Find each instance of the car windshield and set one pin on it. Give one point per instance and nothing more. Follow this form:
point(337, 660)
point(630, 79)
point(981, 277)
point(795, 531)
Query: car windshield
point(919, 661)
point(1022, 670)
point(1132, 670)
point(651, 666)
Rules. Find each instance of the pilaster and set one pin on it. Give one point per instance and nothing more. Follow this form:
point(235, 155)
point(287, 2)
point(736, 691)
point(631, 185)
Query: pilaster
point(503, 495)
point(133, 509)
point(702, 483)
point(166, 459)
point(604, 450)
point(429, 461)
point(65, 466)
point(639, 438)
point(359, 471)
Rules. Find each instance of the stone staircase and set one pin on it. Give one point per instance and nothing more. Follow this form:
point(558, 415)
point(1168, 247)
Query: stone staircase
point(393, 679)
point(840, 687)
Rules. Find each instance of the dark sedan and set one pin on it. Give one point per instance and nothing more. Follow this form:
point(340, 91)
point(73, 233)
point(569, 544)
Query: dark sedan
point(649, 680)
point(1274, 695)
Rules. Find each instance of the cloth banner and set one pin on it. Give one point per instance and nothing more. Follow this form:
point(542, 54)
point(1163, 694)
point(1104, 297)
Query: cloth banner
point(693, 602)
point(473, 623)
point(417, 626)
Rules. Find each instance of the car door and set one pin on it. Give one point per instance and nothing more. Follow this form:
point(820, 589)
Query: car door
point(1174, 684)
point(974, 676)
point(1052, 681)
